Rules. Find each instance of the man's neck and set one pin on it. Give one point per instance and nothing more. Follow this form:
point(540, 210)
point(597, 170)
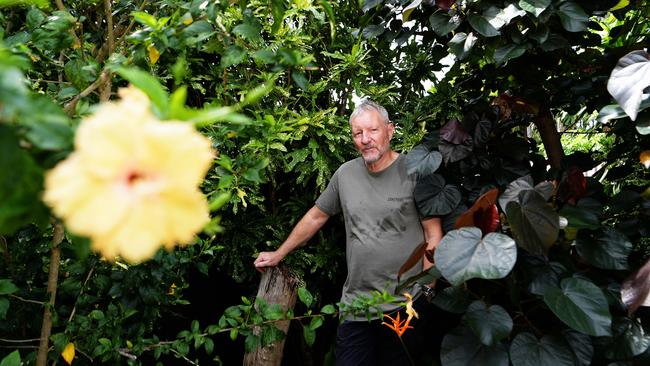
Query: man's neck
point(383, 163)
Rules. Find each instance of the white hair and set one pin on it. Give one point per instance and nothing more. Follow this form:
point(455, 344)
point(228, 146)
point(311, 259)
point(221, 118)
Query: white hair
point(367, 105)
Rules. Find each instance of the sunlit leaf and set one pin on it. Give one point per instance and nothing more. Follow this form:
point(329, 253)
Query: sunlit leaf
point(68, 353)
point(482, 25)
point(535, 7)
point(572, 17)
point(629, 339)
point(629, 79)
point(422, 161)
point(462, 255)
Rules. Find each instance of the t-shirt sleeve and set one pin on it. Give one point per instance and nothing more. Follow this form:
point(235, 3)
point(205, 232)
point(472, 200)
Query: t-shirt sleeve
point(329, 200)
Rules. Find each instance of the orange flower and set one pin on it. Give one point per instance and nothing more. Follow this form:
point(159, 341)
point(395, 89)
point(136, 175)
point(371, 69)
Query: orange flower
point(398, 326)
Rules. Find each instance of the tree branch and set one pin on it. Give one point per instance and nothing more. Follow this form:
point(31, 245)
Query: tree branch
point(69, 107)
point(105, 92)
point(55, 261)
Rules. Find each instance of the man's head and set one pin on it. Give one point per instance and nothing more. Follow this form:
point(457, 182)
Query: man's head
point(371, 131)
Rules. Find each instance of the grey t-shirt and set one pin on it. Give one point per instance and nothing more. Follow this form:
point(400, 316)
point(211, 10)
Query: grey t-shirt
point(382, 225)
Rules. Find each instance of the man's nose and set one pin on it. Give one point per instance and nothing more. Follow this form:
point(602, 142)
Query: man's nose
point(365, 138)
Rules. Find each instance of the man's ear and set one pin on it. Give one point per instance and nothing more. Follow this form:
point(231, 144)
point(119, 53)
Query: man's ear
point(391, 130)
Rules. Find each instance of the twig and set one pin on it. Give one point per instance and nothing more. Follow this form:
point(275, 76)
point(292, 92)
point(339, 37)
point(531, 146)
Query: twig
point(105, 93)
point(31, 347)
point(74, 309)
point(183, 356)
point(27, 300)
point(53, 276)
point(69, 107)
point(124, 353)
point(20, 340)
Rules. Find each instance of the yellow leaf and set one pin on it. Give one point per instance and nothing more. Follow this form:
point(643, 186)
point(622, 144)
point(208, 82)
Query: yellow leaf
point(621, 4)
point(68, 353)
point(188, 21)
point(241, 194)
point(154, 55)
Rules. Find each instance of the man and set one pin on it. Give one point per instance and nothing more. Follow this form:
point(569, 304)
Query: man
point(382, 229)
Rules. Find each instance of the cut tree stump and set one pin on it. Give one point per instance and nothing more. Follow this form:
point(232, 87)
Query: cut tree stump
point(277, 286)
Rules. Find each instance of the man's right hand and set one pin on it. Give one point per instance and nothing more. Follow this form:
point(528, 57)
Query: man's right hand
point(267, 259)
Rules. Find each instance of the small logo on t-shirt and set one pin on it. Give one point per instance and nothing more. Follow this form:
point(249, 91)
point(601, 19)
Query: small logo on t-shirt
point(407, 198)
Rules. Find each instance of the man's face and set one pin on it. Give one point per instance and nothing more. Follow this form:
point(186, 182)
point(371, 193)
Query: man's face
point(371, 135)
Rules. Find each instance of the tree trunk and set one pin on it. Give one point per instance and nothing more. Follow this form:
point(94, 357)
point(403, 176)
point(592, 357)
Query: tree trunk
point(550, 138)
point(278, 286)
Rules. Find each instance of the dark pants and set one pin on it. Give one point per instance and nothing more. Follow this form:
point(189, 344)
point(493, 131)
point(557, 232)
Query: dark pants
point(361, 343)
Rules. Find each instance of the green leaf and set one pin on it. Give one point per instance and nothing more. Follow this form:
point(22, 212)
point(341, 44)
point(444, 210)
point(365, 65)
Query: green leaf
point(584, 215)
point(19, 191)
point(629, 79)
point(406, 12)
point(443, 23)
point(209, 345)
point(330, 15)
point(150, 86)
point(300, 80)
point(461, 44)
point(369, 4)
point(535, 7)
point(328, 309)
point(461, 347)
point(422, 162)
point(572, 17)
point(4, 307)
point(508, 52)
point(271, 334)
point(435, 198)
point(554, 42)
point(540, 34)
point(309, 334)
point(581, 305)
point(581, 345)
point(278, 8)
point(81, 73)
point(453, 299)
point(145, 19)
point(233, 55)
point(251, 31)
point(609, 251)
point(630, 339)
point(47, 127)
point(251, 343)
point(498, 17)
point(550, 274)
point(35, 17)
point(305, 296)
point(462, 255)
point(527, 350)
point(491, 324)
point(197, 32)
point(482, 25)
point(315, 322)
point(533, 222)
point(13, 359)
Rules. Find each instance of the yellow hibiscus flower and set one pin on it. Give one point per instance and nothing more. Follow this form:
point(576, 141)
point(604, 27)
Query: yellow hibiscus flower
point(131, 185)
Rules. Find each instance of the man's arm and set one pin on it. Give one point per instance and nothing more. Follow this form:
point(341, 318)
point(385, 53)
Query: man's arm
point(432, 235)
point(313, 220)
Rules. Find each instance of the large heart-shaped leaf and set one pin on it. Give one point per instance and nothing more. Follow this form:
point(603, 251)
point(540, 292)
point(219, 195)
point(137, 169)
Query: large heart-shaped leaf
point(454, 132)
point(508, 52)
point(482, 25)
point(549, 274)
point(443, 23)
point(406, 13)
point(461, 347)
point(630, 339)
point(462, 255)
point(512, 191)
point(435, 198)
point(422, 161)
point(581, 345)
point(527, 350)
point(584, 215)
point(452, 153)
point(533, 222)
point(461, 44)
point(453, 299)
point(490, 323)
point(572, 17)
point(607, 251)
point(628, 80)
point(535, 7)
point(581, 305)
